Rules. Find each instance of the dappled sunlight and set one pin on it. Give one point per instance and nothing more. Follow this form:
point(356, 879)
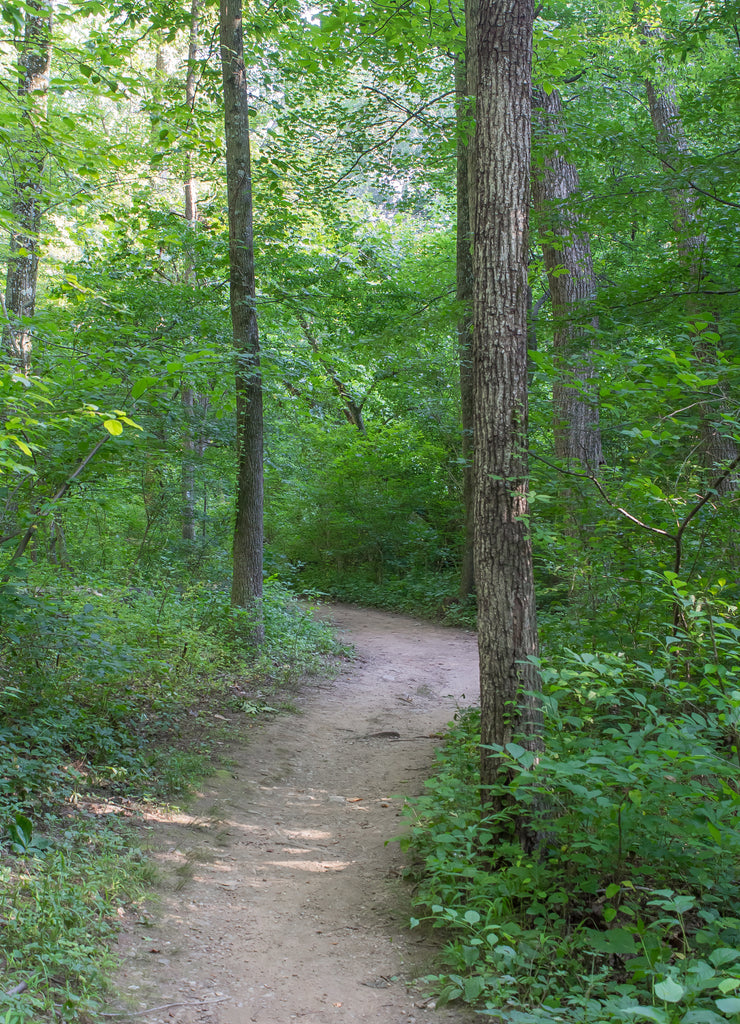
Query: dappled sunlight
point(306, 833)
point(314, 866)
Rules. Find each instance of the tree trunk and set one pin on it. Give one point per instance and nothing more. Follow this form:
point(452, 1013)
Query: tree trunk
point(191, 188)
point(718, 449)
point(464, 295)
point(507, 633)
point(566, 249)
point(191, 216)
point(188, 465)
point(27, 166)
point(246, 589)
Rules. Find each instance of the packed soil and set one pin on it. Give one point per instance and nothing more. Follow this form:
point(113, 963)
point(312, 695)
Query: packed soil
point(282, 898)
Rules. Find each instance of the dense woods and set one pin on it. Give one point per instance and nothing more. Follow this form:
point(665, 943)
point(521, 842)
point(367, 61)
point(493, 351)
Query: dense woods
point(404, 305)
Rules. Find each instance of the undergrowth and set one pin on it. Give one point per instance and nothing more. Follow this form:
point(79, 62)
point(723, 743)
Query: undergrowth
point(112, 696)
point(627, 909)
point(429, 595)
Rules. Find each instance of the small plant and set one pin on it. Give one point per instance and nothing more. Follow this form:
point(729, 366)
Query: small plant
point(23, 842)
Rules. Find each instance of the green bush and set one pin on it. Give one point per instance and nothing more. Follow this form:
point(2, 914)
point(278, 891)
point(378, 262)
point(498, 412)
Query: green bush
point(627, 908)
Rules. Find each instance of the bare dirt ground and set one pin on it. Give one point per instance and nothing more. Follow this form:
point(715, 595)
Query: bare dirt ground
point(280, 899)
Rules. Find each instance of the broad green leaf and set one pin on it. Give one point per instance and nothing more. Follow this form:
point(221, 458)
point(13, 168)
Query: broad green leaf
point(141, 386)
point(669, 990)
point(724, 955)
point(728, 985)
point(646, 1013)
point(731, 1005)
point(113, 427)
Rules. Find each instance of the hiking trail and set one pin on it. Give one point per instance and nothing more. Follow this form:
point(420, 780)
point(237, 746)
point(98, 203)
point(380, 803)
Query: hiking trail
point(280, 900)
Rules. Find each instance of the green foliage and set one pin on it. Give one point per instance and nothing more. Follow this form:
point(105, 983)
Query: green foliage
point(60, 906)
point(627, 907)
point(111, 694)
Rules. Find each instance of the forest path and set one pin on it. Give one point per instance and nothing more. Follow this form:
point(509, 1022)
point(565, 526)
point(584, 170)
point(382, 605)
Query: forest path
point(281, 901)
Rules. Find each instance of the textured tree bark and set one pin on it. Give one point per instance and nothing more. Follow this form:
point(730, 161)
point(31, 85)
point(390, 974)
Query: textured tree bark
point(246, 589)
point(566, 250)
point(188, 465)
point(34, 61)
point(191, 187)
point(464, 296)
point(718, 449)
point(507, 631)
point(191, 216)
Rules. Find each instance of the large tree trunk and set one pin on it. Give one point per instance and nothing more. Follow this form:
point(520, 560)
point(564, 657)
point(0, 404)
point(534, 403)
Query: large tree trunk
point(246, 589)
point(566, 249)
point(718, 449)
point(501, 43)
point(27, 166)
point(464, 295)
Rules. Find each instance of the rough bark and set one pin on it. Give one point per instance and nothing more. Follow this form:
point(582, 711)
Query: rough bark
point(191, 189)
point(507, 633)
point(191, 216)
point(188, 465)
point(464, 295)
point(34, 61)
point(566, 250)
point(718, 449)
point(246, 589)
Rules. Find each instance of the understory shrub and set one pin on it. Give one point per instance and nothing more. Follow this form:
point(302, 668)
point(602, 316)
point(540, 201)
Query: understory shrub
point(627, 908)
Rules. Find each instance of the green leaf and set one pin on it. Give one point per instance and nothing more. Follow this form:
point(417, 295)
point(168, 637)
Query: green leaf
point(724, 955)
point(731, 1005)
point(472, 916)
point(24, 826)
point(23, 446)
point(612, 890)
point(616, 940)
point(473, 988)
point(728, 985)
point(141, 386)
point(646, 1013)
point(113, 427)
point(669, 990)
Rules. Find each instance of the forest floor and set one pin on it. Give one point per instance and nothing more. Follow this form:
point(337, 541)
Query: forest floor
point(280, 900)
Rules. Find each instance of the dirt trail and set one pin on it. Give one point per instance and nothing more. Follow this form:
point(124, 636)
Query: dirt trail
point(281, 899)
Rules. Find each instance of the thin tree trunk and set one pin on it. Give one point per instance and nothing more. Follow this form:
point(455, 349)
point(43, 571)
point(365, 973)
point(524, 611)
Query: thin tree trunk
point(507, 633)
point(718, 449)
point(191, 185)
point(191, 216)
point(566, 249)
point(34, 61)
point(188, 465)
point(246, 589)
point(464, 295)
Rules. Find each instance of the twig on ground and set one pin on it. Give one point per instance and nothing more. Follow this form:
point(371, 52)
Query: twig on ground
point(166, 1006)
point(17, 990)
